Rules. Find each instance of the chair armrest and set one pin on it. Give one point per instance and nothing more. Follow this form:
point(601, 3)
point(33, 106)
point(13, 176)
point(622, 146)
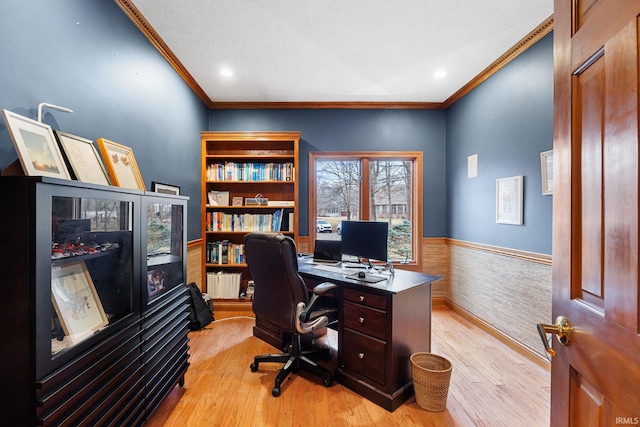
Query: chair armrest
point(305, 327)
point(318, 291)
point(323, 287)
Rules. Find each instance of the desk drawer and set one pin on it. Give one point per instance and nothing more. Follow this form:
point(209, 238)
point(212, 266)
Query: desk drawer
point(366, 320)
point(364, 355)
point(365, 298)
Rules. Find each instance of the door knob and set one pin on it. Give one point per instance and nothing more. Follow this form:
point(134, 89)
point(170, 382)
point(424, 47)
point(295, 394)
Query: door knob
point(562, 329)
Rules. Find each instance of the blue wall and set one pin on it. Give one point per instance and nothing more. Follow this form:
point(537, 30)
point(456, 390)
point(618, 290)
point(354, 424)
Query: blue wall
point(88, 56)
point(358, 130)
point(507, 121)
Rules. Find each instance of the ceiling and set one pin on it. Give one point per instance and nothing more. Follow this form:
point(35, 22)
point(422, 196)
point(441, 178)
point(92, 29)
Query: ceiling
point(335, 51)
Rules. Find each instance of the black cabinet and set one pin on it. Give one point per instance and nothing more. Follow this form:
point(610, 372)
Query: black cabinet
point(84, 344)
point(165, 345)
point(165, 299)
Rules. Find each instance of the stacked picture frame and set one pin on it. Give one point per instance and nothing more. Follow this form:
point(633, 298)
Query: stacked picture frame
point(45, 152)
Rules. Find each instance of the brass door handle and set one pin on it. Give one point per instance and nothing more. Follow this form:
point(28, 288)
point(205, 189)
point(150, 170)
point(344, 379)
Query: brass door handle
point(562, 329)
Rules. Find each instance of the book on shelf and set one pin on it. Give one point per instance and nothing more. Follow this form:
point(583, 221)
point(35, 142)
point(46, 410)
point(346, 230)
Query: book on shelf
point(277, 220)
point(281, 203)
point(225, 221)
point(218, 198)
point(251, 288)
point(256, 201)
point(234, 171)
point(224, 252)
point(222, 284)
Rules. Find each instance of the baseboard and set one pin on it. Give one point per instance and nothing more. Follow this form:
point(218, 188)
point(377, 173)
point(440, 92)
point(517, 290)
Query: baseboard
point(438, 301)
point(502, 337)
point(233, 306)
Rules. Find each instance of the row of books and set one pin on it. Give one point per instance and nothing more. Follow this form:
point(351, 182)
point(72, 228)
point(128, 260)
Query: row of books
point(223, 221)
point(224, 252)
point(223, 284)
point(233, 171)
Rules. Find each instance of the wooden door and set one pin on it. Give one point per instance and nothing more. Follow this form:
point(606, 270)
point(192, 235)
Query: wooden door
point(595, 379)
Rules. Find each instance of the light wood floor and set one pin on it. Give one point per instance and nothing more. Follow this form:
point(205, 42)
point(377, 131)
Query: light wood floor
point(491, 385)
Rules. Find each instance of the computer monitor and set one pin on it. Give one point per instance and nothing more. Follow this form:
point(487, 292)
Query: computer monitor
point(365, 239)
point(327, 250)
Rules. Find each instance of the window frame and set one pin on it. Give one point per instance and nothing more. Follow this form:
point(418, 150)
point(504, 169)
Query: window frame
point(364, 157)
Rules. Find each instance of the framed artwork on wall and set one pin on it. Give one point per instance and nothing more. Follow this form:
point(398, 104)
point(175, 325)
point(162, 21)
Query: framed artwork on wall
point(36, 146)
point(82, 158)
point(121, 164)
point(509, 200)
point(546, 165)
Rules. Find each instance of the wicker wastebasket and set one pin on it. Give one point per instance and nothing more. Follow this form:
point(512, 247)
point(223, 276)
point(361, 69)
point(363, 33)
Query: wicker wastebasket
point(431, 375)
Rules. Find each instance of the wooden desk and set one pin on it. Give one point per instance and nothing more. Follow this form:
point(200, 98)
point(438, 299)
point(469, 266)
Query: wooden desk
point(379, 326)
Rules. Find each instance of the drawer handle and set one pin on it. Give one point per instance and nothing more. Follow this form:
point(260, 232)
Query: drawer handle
point(361, 320)
point(361, 355)
point(361, 298)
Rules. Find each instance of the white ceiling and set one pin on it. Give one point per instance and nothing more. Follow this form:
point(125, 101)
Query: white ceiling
point(339, 50)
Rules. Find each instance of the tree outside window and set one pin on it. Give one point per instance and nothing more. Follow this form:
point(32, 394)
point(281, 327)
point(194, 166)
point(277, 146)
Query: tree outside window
point(369, 186)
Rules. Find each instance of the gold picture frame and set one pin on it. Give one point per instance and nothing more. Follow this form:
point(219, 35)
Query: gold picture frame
point(76, 301)
point(82, 158)
point(121, 164)
point(36, 147)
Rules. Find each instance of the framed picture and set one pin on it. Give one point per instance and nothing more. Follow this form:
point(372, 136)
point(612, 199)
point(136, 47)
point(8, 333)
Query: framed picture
point(158, 187)
point(76, 301)
point(509, 200)
point(36, 146)
point(82, 158)
point(121, 164)
point(237, 201)
point(546, 165)
point(218, 198)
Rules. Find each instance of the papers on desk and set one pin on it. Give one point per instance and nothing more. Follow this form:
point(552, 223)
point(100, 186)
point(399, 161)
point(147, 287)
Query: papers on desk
point(351, 273)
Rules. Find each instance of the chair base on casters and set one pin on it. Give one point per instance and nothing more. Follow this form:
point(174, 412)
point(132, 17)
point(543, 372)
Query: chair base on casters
point(294, 361)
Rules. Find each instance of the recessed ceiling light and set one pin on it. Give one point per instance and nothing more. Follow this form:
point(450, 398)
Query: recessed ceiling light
point(439, 74)
point(226, 72)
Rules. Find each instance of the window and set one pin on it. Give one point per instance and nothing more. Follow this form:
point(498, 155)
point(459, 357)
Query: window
point(375, 186)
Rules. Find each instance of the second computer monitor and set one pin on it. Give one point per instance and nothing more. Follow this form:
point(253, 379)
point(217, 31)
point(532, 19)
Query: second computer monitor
point(365, 239)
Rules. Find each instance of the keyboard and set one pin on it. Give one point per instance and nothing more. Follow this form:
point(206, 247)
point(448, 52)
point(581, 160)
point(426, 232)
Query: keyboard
point(322, 262)
point(332, 268)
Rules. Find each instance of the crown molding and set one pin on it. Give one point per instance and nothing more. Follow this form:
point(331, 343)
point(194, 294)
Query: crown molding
point(329, 105)
point(147, 30)
point(525, 43)
point(143, 25)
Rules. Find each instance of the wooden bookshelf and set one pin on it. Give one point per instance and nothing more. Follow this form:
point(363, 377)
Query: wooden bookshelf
point(262, 166)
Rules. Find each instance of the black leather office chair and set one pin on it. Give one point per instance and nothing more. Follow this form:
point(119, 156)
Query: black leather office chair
point(281, 297)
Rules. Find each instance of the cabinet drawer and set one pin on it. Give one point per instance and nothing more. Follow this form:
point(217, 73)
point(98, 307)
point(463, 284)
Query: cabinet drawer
point(366, 320)
point(364, 355)
point(365, 298)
